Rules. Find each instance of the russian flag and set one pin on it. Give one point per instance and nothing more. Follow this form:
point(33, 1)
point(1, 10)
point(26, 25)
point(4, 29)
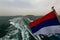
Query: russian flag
point(47, 24)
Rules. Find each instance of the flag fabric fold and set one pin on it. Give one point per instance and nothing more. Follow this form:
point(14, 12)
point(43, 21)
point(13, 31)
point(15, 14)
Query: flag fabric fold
point(47, 24)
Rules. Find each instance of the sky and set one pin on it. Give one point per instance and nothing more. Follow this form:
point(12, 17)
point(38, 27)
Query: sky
point(28, 7)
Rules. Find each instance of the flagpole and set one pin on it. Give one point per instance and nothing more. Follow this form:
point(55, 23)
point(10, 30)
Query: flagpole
point(55, 13)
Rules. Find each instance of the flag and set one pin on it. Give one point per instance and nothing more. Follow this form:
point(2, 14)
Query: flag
point(47, 24)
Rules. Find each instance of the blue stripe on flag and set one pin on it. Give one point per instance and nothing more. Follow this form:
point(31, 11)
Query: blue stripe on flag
point(50, 22)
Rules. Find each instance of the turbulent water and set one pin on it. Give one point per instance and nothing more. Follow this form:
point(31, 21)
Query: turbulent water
point(4, 24)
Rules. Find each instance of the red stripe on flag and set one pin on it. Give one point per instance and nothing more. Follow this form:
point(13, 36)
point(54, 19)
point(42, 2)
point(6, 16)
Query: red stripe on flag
point(50, 15)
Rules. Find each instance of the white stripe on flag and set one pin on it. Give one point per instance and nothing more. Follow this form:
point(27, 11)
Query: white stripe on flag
point(48, 30)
